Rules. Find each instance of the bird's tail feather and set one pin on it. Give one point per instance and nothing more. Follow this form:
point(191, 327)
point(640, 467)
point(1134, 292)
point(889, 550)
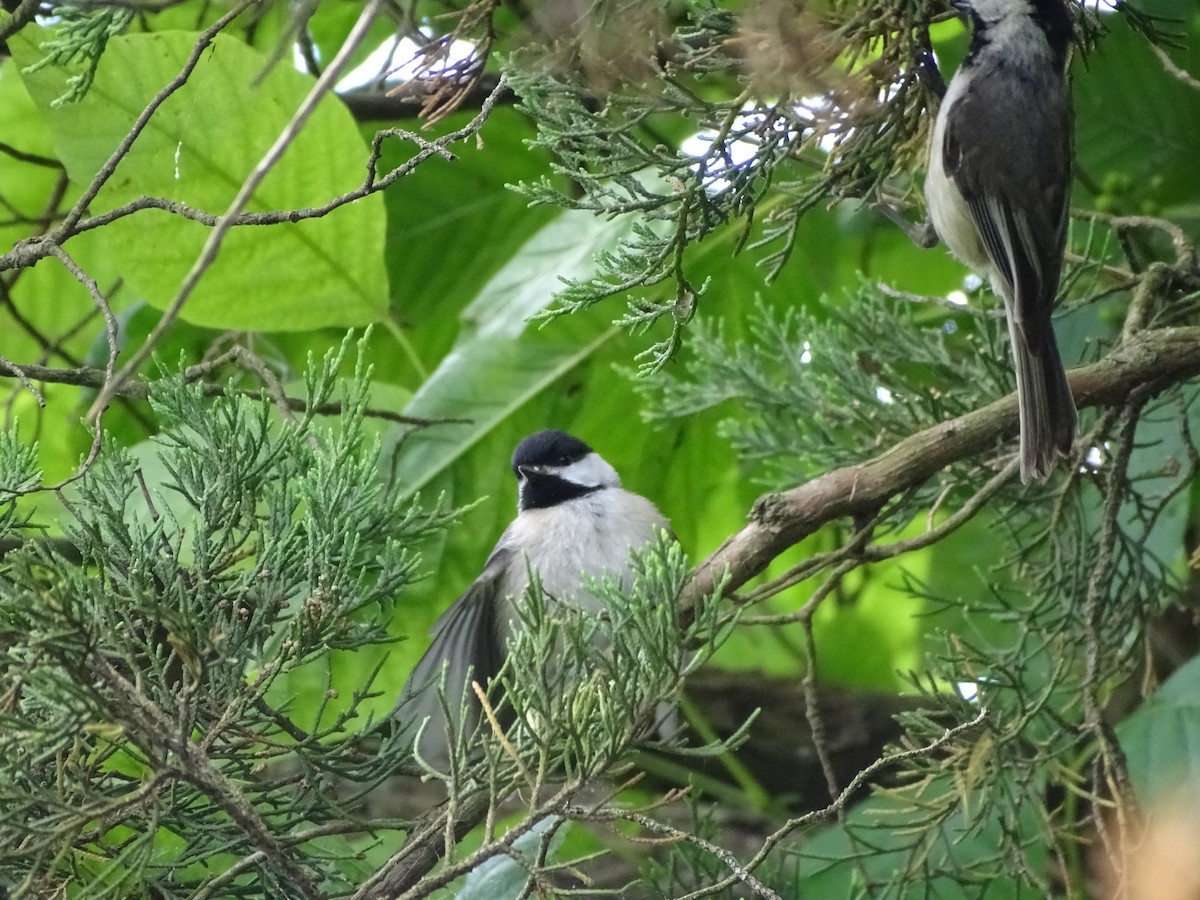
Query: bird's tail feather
point(1047, 411)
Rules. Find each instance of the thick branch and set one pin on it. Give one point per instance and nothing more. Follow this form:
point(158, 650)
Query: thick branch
point(780, 520)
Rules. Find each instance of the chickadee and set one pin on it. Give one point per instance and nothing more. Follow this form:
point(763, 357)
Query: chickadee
point(574, 520)
point(998, 188)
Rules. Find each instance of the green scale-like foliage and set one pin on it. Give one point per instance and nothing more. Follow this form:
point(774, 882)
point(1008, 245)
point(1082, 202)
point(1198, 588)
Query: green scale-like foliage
point(152, 659)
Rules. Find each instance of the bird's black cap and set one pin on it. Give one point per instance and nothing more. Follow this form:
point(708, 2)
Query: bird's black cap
point(549, 448)
point(536, 463)
point(1052, 16)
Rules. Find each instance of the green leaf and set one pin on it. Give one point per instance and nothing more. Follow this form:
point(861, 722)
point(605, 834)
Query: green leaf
point(1136, 128)
point(1158, 466)
point(198, 149)
point(454, 225)
point(1161, 739)
point(23, 185)
point(499, 362)
point(901, 846)
point(502, 876)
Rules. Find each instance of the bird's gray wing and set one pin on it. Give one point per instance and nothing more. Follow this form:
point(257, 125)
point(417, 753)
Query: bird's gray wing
point(1015, 181)
point(1015, 176)
point(466, 648)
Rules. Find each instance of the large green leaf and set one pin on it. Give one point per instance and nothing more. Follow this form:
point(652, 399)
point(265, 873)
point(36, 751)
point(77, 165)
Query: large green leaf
point(1137, 128)
point(24, 185)
point(199, 148)
point(500, 361)
point(896, 841)
point(504, 876)
point(1161, 739)
point(454, 224)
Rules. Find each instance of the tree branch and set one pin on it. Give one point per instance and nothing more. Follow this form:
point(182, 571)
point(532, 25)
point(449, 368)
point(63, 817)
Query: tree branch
point(212, 244)
point(370, 105)
point(778, 521)
point(139, 390)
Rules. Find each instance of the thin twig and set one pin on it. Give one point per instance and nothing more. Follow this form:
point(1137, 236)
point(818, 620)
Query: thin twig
point(856, 783)
point(25, 253)
point(67, 226)
point(144, 718)
point(739, 873)
point(1173, 69)
point(1111, 759)
point(31, 158)
point(889, 291)
point(17, 372)
point(1185, 247)
point(100, 302)
point(138, 390)
point(212, 245)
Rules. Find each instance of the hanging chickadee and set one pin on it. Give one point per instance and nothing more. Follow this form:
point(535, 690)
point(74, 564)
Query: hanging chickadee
point(998, 189)
point(573, 521)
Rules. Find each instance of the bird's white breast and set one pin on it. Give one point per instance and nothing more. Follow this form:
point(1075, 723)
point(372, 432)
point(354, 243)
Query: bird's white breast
point(948, 210)
point(591, 535)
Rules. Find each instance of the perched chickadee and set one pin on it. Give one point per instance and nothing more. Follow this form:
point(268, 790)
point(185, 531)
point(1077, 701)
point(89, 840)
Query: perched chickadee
point(573, 521)
point(998, 189)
